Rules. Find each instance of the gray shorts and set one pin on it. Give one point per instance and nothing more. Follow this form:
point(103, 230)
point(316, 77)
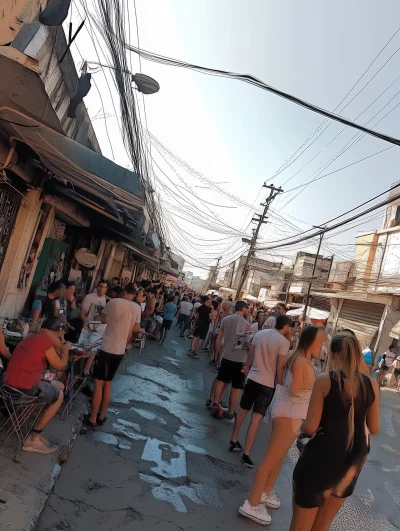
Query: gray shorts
point(45, 392)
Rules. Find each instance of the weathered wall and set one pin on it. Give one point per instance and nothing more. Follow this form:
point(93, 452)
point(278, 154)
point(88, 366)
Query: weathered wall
point(47, 46)
point(12, 299)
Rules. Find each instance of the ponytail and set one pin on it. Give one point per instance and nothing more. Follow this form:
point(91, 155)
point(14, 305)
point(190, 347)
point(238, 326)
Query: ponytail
point(347, 357)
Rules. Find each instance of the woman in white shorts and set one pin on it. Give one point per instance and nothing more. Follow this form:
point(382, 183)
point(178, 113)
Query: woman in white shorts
point(288, 409)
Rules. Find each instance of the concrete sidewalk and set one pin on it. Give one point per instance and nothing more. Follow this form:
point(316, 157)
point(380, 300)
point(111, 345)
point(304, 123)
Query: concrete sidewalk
point(161, 461)
point(26, 484)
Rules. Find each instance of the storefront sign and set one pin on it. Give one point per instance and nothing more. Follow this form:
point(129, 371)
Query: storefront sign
point(86, 258)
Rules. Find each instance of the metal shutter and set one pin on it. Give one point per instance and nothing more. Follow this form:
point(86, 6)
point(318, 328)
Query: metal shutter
point(363, 318)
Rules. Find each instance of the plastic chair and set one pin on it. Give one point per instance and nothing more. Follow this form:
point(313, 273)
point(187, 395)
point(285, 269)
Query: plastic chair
point(20, 408)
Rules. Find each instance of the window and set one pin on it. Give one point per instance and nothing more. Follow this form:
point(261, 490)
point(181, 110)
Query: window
point(8, 213)
point(398, 215)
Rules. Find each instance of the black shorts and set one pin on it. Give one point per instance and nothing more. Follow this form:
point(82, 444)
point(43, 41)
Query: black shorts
point(397, 373)
point(167, 324)
point(231, 372)
point(201, 331)
point(106, 365)
point(256, 396)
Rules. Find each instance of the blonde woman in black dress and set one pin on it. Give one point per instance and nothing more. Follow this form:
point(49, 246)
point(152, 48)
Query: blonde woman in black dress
point(343, 412)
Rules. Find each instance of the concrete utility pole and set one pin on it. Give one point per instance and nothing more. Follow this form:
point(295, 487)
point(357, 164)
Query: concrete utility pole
point(321, 237)
point(259, 219)
point(213, 275)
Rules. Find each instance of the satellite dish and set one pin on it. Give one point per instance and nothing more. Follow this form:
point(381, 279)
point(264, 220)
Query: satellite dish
point(146, 84)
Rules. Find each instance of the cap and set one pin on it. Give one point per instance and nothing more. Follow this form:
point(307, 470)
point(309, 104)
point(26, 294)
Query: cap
point(55, 324)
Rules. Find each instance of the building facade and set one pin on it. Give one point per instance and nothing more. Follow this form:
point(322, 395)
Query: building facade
point(371, 306)
point(303, 274)
point(262, 275)
point(66, 211)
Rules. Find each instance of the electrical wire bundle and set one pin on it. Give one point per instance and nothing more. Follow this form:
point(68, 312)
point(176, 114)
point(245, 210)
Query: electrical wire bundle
point(111, 22)
point(252, 80)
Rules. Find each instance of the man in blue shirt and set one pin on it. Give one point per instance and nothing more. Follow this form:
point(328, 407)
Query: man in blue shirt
point(168, 317)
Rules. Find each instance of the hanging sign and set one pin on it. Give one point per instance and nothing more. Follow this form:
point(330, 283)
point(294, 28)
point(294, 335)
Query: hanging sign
point(86, 258)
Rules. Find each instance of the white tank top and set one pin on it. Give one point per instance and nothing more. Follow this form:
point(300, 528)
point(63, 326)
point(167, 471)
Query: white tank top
point(286, 404)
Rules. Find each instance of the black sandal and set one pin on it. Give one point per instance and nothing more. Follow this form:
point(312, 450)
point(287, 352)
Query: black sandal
point(100, 422)
point(86, 422)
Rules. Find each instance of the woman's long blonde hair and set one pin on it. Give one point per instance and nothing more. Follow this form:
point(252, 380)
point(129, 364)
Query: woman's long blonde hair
point(346, 359)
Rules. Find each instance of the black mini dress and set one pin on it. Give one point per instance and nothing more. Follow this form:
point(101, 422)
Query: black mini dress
point(325, 467)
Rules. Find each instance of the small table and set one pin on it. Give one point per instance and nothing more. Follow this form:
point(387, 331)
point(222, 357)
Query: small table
point(12, 339)
point(77, 353)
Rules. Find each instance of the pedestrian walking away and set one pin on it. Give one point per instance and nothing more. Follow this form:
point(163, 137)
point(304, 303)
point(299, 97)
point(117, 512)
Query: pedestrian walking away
point(288, 409)
point(226, 309)
point(345, 401)
point(168, 317)
point(202, 326)
point(264, 365)
point(236, 333)
point(122, 319)
point(185, 309)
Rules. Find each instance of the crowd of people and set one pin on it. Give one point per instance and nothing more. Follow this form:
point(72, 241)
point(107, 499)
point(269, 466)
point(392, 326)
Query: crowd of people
point(307, 386)
point(111, 317)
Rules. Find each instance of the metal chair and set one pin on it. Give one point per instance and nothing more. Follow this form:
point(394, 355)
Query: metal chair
point(20, 409)
point(73, 378)
point(141, 343)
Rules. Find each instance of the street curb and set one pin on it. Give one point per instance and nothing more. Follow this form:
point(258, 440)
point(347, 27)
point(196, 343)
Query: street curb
point(62, 458)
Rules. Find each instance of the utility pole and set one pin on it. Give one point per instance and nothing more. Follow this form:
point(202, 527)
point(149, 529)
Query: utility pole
point(213, 275)
point(321, 237)
point(290, 279)
point(259, 219)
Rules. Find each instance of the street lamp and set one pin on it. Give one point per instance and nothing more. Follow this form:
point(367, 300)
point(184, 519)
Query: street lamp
point(145, 84)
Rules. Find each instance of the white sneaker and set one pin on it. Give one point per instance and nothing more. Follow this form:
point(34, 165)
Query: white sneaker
point(258, 513)
point(271, 500)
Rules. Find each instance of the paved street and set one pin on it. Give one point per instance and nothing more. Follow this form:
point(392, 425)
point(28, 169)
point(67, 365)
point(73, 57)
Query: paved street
point(161, 461)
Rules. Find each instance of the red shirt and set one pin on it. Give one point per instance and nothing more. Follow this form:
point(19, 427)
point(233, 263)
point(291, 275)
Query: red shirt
point(28, 362)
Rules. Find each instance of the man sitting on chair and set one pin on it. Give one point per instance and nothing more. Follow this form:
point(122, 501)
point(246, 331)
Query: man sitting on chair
point(122, 317)
point(25, 372)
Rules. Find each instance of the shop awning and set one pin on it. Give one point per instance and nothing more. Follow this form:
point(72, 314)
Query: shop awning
point(312, 313)
point(73, 162)
point(395, 331)
point(141, 253)
point(105, 206)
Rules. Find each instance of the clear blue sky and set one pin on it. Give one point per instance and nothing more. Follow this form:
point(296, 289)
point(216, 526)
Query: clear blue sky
point(234, 132)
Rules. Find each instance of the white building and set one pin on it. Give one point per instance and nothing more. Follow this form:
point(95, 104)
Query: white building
point(179, 261)
point(262, 274)
point(302, 274)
